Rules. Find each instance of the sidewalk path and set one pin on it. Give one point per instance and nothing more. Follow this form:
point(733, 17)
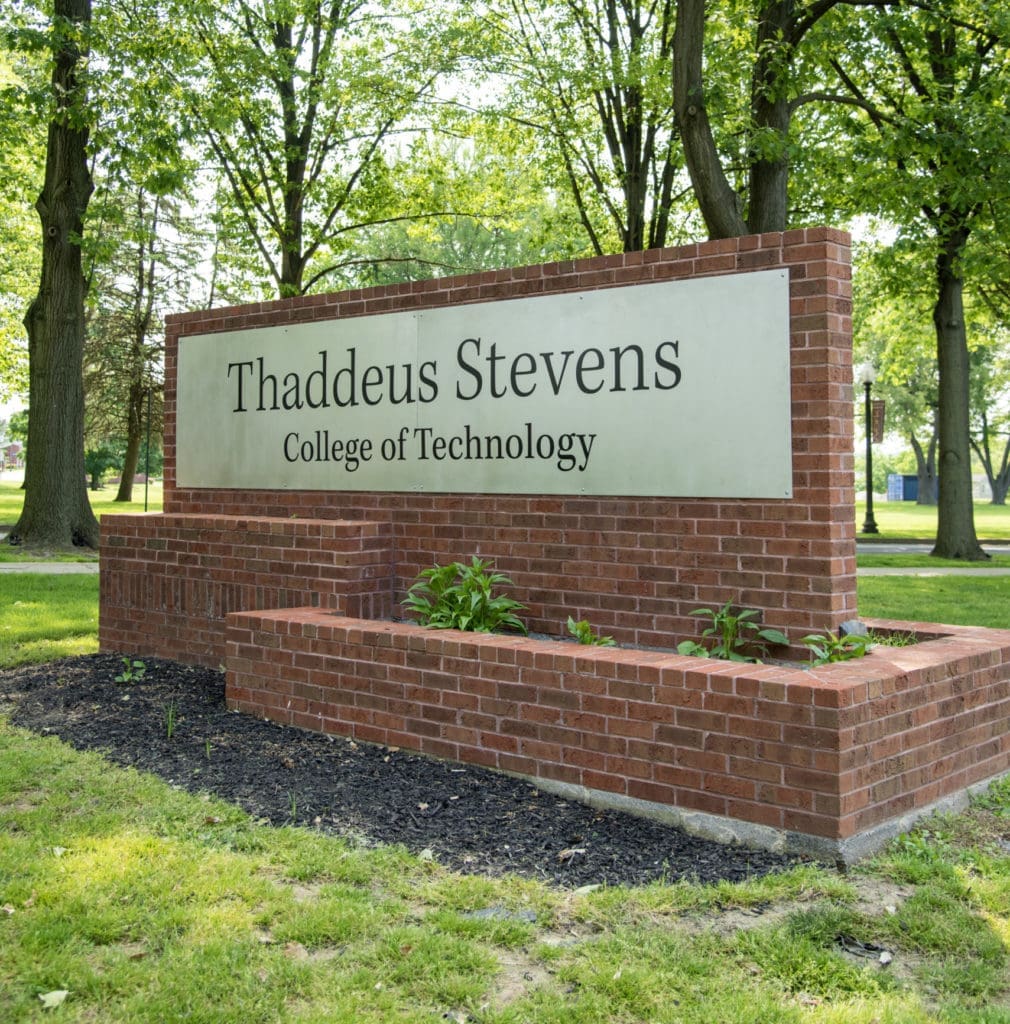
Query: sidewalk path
point(870, 548)
point(926, 571)
point(864, 547)
point(53, 568)
point(65, 568)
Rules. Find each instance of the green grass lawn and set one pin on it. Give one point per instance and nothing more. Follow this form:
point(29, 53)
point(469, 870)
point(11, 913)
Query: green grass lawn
point(905, 519)
point(102, 503)
point(125, 900)
point(956, 600)
point(44, 617)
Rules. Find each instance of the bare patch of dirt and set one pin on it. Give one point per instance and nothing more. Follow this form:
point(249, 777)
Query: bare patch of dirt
point(519, 975)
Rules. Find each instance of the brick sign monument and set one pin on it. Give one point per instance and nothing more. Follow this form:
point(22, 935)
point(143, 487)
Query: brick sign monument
point(629, 438)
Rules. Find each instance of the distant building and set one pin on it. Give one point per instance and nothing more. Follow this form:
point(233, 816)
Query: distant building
point(12, 455)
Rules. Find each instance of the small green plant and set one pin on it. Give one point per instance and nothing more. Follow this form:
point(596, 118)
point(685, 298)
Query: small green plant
point(459, 596)
point(996, 799)
point(207, 749)
point(133, 671)
point(826, 648)
point(734, 632)
point(902, 639)
point(585, 634)
point(171, 713)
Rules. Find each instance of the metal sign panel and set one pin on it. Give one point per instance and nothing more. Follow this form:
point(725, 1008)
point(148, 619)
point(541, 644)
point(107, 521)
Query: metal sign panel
point(677, 388)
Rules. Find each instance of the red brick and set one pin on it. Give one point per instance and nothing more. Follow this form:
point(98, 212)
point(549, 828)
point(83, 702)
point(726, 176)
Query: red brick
point(636, 567)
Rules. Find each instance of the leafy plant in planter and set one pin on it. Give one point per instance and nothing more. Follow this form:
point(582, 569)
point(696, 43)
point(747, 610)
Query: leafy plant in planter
point(735, 632)
point(460, 596)
point(829, 648)
point(585, 634)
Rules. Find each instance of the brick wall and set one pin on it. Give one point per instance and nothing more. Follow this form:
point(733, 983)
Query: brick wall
point(635, 567)
point(168, 581)
point(825, 753)
point(286, 588)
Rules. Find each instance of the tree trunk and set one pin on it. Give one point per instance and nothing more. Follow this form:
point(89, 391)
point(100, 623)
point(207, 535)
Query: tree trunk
point(56, 511)
point(769, 170)
point(134, 437)
point(955, 530)
point(1000, 484)
point(718, 202)
point(296, 139)
point(770, 111)
point(999, 479)
point(143, 313)
point(925, 469)
point(634, 161)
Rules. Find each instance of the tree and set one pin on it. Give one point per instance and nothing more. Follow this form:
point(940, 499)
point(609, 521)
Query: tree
point(299, 103)
point(98, 461)
point(931, 82)
point(939, 79)
point(123, 348)
point(21, 78)
point(56, 509)
point(17, 426)
point(990, 420)
point(892, 328)
point(772, 55)
point(516, 217)
point(592, 77)
point(893, 297)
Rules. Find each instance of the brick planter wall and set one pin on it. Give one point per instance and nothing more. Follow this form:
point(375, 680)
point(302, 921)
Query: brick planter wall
point(168, 581)
point(819, 758)
point(635, 567)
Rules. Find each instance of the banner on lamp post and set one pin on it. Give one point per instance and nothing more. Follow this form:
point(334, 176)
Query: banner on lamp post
point(878, 406)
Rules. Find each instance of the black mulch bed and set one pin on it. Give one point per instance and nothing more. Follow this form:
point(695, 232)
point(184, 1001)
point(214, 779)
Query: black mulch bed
point(472, 820)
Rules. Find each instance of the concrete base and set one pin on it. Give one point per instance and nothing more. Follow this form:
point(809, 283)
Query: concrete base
point(840, 852)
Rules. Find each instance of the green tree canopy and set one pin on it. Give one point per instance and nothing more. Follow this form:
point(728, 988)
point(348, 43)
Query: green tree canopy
point(300, 106)
point(22, 128)
point(592, 78)
point(933, 137)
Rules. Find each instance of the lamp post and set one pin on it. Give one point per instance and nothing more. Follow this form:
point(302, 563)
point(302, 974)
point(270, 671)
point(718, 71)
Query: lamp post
point(866, 375)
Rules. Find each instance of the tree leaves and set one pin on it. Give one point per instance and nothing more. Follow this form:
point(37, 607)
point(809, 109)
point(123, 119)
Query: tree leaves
point(299, 104)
